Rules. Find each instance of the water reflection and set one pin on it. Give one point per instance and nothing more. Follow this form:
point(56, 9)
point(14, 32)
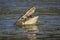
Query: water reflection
point(31, 31)
point(24, 33)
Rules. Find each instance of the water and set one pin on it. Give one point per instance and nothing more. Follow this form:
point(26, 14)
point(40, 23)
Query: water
point(48, 28)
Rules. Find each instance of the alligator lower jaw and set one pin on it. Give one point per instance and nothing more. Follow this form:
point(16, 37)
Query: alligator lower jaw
point(31, 21)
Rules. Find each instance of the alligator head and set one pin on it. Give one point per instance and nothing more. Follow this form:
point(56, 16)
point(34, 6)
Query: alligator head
point(27, 18)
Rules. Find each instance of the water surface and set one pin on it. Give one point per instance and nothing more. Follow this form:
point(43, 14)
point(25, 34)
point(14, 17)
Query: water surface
point(48, 26)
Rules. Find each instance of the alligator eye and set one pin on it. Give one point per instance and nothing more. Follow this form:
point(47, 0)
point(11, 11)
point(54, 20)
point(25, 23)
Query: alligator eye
point(22, 18)
point(30, 16)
